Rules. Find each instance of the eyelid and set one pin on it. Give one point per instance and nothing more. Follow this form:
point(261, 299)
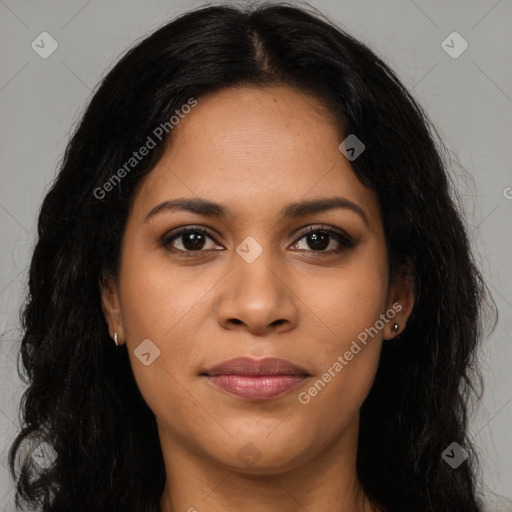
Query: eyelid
point(168, 237)
point(322, 227)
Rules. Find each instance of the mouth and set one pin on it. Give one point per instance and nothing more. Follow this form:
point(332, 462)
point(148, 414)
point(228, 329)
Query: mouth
point(254, 379)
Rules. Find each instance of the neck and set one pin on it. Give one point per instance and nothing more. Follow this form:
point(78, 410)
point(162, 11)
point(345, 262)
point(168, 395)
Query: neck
point(196, 483)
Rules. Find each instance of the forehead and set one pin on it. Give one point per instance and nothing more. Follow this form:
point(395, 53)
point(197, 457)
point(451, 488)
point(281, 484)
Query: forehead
point(273, 123)
point(258, 148)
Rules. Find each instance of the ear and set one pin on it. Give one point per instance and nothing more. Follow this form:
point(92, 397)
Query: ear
point(400, 300)
point(111, 308)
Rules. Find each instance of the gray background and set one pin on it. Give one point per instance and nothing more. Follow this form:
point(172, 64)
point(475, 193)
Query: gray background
point(468, 98)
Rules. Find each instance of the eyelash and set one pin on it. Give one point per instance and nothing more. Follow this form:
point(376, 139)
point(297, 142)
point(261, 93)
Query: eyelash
point(344, 240)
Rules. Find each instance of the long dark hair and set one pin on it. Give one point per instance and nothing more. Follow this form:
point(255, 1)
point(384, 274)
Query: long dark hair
point(82, 398)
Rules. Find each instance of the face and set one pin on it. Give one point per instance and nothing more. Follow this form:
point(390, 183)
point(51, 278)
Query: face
point(307, 284)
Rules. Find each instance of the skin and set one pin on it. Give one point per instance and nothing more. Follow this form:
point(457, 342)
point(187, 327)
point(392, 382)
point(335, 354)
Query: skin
point(255, 151)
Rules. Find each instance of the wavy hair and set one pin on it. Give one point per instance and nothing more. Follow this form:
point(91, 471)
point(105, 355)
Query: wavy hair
point(82, 398)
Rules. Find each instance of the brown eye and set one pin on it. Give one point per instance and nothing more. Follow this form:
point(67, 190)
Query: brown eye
point(193, 241)
point(190, 240)
point(323, 240)
point(318, 241)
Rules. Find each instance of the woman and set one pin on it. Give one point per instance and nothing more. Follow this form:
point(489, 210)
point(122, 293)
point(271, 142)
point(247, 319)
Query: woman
point(252, 289)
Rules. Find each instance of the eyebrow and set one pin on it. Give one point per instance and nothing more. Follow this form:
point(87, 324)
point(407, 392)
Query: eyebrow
point(292, 210)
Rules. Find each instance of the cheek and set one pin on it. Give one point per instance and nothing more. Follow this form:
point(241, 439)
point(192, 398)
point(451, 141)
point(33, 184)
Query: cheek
point(157, 298)
point(334, 398)
point(347, 309)
point(350, 298)
point(159, 307)
point(347, 358)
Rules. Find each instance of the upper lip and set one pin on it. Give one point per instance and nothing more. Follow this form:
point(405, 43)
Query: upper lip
point(249, 366)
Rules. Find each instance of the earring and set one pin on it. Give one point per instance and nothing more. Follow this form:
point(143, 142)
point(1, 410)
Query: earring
point(115, 339)
point(395, 327)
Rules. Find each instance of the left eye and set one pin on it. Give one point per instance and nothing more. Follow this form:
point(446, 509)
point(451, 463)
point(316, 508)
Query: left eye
point(324, 240)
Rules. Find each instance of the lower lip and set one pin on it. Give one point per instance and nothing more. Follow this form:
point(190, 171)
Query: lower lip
point(252, 387)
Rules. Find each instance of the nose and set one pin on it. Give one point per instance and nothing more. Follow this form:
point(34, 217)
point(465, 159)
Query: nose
point(257, 298)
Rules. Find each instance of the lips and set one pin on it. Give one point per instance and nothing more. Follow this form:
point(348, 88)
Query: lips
point(256, 379)
point(248, 366)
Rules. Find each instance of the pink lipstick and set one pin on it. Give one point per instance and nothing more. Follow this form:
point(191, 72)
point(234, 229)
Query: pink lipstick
point(256, 379)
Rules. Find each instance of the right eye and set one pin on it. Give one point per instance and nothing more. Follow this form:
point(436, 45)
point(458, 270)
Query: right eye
point(189, 240)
